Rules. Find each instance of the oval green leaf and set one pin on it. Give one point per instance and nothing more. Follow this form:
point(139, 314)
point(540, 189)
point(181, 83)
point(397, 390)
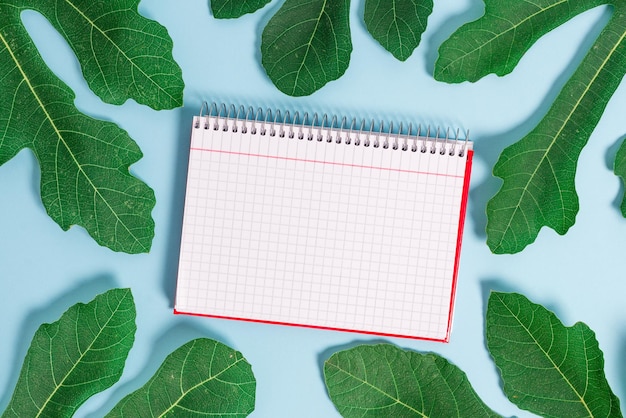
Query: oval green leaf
point(306, 44)
point(398, 24)
point(79, 355)
point(385, 381)
point(201, 378)
point(228, 9)
point(547, 368)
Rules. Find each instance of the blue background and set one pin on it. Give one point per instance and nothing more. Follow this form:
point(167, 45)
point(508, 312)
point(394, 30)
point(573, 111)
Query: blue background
point(44, 270)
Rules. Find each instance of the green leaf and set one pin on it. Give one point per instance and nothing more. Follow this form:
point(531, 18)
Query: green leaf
point(398, 25)
point(496, 42)
point(122, 54)
point(227, 9)
point(620, 169)
point(81, 354)
point(201, 378)
point(385, 381)
point(306, 44)
point(84, 162)
point(547, 368)
point(539, 170)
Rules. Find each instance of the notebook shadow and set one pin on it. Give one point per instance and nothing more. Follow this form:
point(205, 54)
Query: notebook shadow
point(170, 268)
point(84, 292)
point(170, 340)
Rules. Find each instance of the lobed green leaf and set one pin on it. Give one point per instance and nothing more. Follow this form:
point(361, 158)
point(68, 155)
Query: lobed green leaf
point(398, 25)
point(79, 355)
point(84, 162)
point(547, 368)
point(385, 381)
point(496, 42)
point(122, 54)
point(228, 9)
point(201, 378)
point(539, 170)
point(306, 44)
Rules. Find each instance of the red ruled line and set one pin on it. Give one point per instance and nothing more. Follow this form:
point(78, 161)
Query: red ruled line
point(329, 162)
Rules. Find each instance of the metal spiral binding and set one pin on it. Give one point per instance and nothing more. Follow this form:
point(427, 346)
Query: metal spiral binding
point(275, 124)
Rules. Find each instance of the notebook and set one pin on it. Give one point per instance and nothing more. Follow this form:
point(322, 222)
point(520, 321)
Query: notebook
point(307, 220)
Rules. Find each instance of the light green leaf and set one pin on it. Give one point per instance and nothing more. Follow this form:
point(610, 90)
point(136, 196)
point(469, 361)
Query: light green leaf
point(81, 354)
point(620, 169)
point(227, 9)
point(385, 381)
point(547, 368)
point(306, 44)
point(539, 170)
point(84, 162)
point(496, 42)
point(201, 378)
point(398, 24)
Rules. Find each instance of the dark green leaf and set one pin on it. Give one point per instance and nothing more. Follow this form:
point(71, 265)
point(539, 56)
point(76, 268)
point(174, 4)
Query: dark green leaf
point(306, 44)
point(81, 354)
point(547, 368)
point(123, 55)
point(398, 24)
point(84, 162)
point(226, 9)
point(539, 170)
point(201, 378)
point(497, 41)
point(385, 381)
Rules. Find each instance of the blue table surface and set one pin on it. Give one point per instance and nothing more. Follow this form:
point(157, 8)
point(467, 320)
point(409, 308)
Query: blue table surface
point(44, 270)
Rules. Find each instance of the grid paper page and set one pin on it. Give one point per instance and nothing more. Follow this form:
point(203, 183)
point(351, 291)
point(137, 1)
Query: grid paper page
point(320, 234)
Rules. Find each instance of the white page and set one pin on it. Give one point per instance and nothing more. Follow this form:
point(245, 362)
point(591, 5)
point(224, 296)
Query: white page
point(321, 234)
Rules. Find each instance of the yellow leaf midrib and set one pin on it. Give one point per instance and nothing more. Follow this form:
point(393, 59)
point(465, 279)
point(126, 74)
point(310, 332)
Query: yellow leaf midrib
point(60, 139)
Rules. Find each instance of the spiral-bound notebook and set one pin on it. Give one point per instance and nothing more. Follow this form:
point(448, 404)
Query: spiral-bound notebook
point(314, 222)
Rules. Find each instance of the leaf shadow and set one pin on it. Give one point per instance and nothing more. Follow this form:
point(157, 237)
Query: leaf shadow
point(622, 367)
point(170, 268)
point(84, 292)
point(609, 160)
point(170, 340)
